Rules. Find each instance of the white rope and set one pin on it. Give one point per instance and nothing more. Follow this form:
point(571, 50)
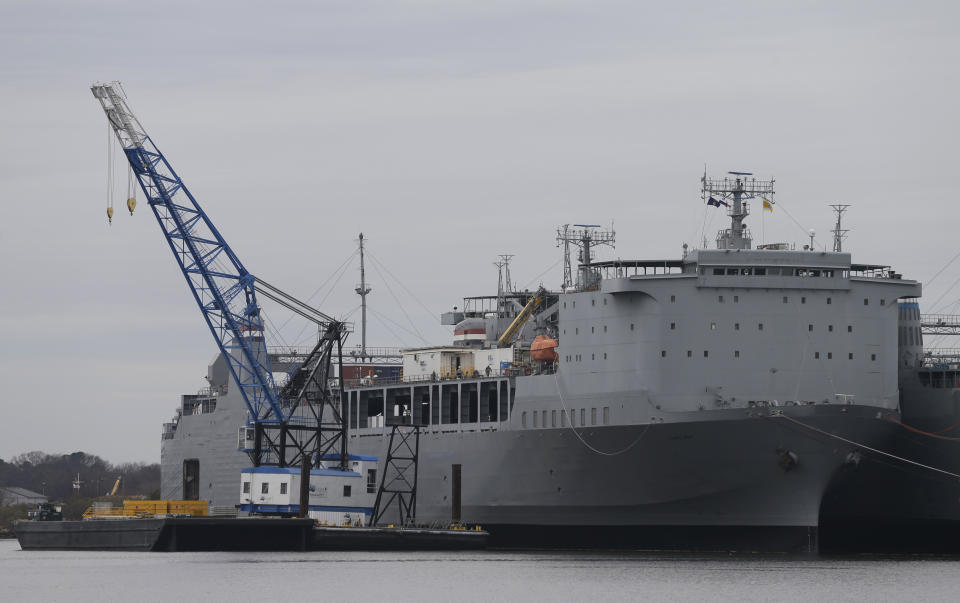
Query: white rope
point(893, 456)
point(584, 442)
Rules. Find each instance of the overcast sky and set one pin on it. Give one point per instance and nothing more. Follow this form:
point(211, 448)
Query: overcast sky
point(447, 132)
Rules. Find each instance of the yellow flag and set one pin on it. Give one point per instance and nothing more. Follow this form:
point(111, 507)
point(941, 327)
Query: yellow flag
point(767, 206)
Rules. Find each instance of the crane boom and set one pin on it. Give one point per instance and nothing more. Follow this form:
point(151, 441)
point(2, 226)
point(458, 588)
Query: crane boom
point(221, 286)
point(535, 300)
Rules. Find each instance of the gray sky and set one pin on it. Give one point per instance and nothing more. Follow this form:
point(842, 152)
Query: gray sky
point(448, 132)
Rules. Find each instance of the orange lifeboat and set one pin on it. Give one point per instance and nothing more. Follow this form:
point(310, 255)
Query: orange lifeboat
point(544, 348)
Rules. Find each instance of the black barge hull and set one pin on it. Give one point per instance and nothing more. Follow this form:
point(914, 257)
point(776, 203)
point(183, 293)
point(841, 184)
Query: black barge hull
point(181, 534)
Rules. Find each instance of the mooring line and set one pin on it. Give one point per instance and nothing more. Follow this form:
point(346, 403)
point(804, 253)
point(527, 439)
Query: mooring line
point(780, 414)
point(584, 442)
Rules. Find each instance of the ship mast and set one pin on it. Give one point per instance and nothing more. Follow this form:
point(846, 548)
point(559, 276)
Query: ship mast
point(362, 290)
point(733, 191)
point(586, 237)
point(839, 234)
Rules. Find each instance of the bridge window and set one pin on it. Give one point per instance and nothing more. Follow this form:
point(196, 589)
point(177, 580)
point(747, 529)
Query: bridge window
point(523, 419)
point(265, 488)
point(706, 353)
point(830, 328)
point(786, 299)
point(718, 271)
point(246, 487)
point(663, 353)
point(583, 417)
point(347, 491)
point(553, 418)
point(850, 356)
point(593, 416)
point(606, 415)
point(535, 419)
point(829, 301)
point(371, 481)
point(810, 327)
point(673, 298)
point(673, 326)
point(736, 353)
point(803, 300)
point(283, 488)
point(829, 355)
point(760, 327)
point(720, 299)
point(631, 326)
point(736, 326)
point(849, 328)
point(689, 353)
point(866, 302)
point(736, 299)
point(816, 355)
point(883, 302)
point(873, 357)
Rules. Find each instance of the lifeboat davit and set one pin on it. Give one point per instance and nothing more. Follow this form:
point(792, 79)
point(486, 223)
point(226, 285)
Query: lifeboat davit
point(544, 348)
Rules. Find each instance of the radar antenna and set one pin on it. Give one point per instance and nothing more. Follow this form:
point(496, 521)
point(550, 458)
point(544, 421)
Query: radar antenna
point(734, 190)
point(586, 237)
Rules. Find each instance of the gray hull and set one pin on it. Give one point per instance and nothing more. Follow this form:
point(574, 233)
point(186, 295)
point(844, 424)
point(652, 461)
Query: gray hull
point(724, 470)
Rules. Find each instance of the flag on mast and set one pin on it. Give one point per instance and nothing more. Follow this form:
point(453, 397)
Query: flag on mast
point(767, 205)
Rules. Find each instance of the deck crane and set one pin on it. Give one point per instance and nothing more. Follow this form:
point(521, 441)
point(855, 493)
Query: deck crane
point(535, 300)
point(285, 426)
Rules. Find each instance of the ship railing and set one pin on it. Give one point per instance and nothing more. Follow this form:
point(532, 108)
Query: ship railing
point(351, 354)
point(434, 378)
point(940, 358)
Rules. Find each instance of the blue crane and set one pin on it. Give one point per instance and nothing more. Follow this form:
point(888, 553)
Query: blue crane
point(226, 293)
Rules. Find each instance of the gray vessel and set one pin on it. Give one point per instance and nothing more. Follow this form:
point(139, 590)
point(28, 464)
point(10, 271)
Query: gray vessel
point(701, 401)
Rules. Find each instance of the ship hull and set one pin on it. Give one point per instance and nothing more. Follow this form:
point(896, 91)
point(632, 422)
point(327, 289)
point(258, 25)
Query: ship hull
point(727, 479)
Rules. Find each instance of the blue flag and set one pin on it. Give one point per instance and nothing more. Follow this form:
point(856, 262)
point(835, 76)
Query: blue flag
point(717, 202)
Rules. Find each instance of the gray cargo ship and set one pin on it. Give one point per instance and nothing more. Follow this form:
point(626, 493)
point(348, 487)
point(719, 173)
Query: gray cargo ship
point(707, 400)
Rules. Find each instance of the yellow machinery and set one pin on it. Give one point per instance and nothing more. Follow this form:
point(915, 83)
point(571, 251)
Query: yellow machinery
point(116, 486)
point(535, 300)
point(148, 508)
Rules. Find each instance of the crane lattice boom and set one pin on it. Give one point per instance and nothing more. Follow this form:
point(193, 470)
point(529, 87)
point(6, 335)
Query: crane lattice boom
point(222, 287)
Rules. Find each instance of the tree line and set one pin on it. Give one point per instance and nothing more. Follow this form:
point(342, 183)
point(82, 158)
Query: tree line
point(53, 475)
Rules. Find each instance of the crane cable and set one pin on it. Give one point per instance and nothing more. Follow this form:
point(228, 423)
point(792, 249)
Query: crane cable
point(109, 173)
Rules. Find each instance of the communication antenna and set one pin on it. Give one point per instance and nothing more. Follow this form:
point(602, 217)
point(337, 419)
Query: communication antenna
point(563, 238)
point(839, 234)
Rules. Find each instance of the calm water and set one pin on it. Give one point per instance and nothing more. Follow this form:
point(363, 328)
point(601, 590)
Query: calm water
point(491, 577)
